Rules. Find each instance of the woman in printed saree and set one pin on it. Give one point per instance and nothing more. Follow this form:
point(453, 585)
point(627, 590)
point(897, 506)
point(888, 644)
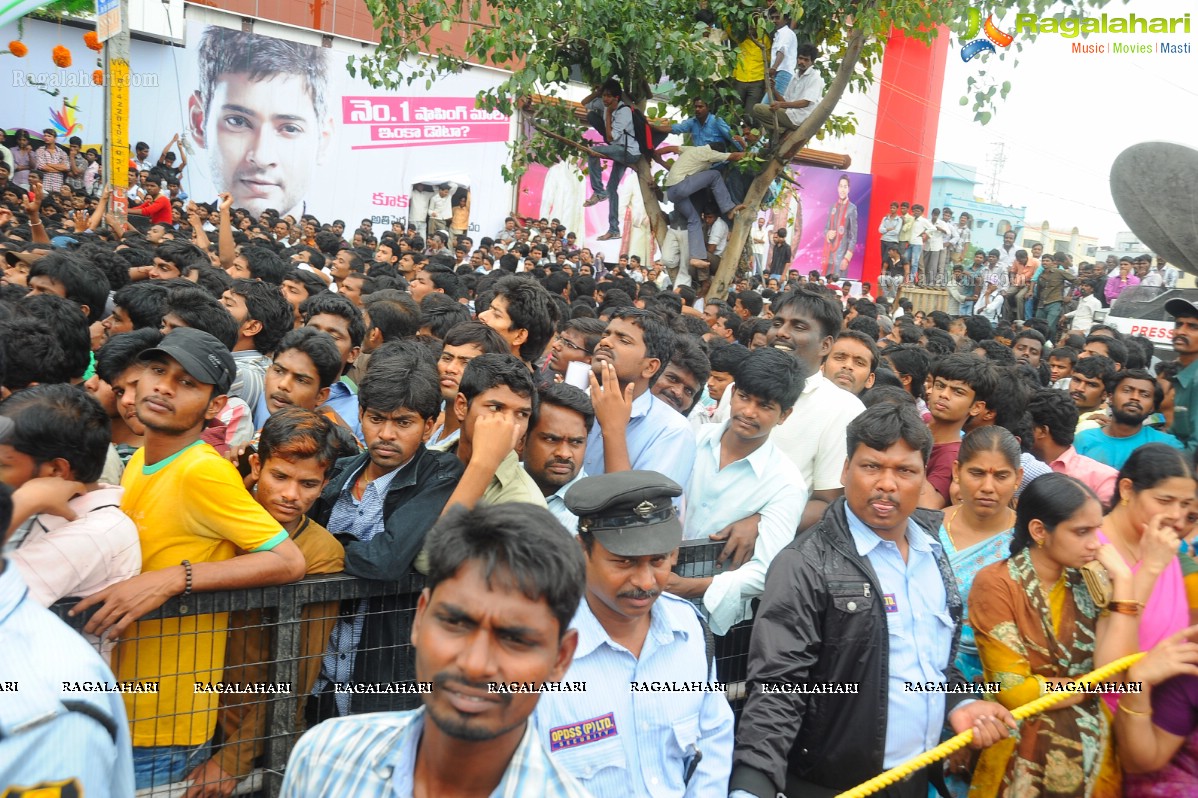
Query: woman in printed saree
point(977, 532)
point(1038, 629)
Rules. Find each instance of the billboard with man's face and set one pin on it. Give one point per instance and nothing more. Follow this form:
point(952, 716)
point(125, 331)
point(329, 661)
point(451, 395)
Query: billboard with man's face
point(282, 125)
point(278, 124)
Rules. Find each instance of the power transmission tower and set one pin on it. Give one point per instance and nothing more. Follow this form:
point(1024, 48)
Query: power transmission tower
point(997, 161)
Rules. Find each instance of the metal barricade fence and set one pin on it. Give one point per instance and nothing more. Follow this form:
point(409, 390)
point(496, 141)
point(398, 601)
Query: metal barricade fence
point(240, 665)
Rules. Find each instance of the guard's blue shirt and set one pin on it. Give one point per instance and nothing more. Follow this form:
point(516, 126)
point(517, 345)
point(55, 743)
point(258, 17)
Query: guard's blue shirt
point(921, 635)
point(62, 723)
point(623, 735)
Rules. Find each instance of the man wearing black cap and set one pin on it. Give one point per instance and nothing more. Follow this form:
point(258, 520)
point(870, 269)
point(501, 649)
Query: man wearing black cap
point(651, 720)
point(193, 515)
point(1185, 344)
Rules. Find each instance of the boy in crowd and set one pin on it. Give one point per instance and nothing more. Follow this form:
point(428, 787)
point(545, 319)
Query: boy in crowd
point(961, 386)
point(463, 343)
point(724, 361)
point(338, 317)
point(739, 473)
point(1060, 367)
point(296, 452)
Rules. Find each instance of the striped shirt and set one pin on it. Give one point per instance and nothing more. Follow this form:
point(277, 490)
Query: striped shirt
point(64, 748)
point(375, 755)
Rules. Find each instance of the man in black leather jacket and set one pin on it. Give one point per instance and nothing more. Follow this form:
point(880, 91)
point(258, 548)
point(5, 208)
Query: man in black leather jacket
point(383, 531)
point(863, 602)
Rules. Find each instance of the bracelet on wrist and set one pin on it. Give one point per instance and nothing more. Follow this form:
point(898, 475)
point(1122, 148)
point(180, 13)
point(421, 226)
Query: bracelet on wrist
point(1135, 713)
point(187, 570)
point(1125, 607)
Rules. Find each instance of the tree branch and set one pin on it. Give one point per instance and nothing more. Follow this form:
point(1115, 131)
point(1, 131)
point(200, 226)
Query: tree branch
point(557, 137)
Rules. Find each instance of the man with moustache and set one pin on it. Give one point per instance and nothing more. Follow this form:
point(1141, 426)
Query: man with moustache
point(624, 734)
point(864, 599)
point(556, 445)
point(1185, 344)
point(1135, 395)
point(501, 578)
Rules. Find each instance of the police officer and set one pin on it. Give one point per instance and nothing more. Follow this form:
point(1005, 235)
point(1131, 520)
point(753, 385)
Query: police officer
point(60, 735)
point(650, 718)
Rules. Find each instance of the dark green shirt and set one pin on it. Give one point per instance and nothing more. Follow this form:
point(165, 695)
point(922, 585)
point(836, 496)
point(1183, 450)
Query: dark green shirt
point(1185, 406)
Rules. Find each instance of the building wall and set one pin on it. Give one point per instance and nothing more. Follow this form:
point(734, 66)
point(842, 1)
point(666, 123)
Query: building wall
point(954, 186)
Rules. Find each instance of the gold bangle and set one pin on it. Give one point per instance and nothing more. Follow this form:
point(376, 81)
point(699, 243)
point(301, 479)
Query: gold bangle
point(1126, 607)
point(1123, 707)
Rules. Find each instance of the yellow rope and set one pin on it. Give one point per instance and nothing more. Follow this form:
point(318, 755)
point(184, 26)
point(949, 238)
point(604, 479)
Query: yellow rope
point(897, 774)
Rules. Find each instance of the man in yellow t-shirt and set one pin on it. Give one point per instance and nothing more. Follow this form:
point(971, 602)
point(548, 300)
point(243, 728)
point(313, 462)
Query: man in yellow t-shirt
point(748, 75)
point(193, 515)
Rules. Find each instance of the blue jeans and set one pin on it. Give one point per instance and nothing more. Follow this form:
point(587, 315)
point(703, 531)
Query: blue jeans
point(161, 765)
point(620, 161)
point(916, 253)
point(680, 194)
point(1051, 313)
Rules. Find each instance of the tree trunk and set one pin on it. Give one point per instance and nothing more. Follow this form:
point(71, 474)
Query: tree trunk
point(792, 143)
point(657, 217)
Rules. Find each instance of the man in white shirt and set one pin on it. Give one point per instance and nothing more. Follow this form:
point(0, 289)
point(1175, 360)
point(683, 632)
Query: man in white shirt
point(717, 237)
point(931, 268)
point(783, 52)
point(806, 322)
point(1082, 319)
point(921, 230)
point(1006, 253)
point(740, 473)
point(790, 106)
point(760, 238)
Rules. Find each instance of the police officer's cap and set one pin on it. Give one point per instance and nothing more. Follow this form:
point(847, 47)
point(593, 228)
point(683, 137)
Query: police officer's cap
point(630, 513)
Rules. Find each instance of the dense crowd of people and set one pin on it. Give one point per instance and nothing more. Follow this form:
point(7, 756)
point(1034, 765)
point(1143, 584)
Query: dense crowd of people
point(925, 520)
point(221, 402)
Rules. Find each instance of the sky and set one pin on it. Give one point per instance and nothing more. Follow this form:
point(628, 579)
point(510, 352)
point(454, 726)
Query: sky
point(1069, 115)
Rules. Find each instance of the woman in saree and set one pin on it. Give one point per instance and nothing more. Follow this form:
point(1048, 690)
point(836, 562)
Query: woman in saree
point(1037, 628)
point(977, 532)
point(1157, 481)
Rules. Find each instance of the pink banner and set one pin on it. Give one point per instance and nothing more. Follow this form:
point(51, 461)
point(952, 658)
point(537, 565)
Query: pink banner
point(417, 121)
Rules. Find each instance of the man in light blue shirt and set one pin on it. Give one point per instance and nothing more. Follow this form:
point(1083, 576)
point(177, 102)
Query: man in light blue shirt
point(704, 128)
point(739, 476)
point(55, 738)
point(651, 721)
point(865, 598)
point(633, 429)
point(475, 611)
point(341, 319)
point(556, 444)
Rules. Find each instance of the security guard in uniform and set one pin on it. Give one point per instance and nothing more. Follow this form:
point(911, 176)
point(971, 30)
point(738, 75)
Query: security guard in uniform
point(61, 734)
point(650, 720)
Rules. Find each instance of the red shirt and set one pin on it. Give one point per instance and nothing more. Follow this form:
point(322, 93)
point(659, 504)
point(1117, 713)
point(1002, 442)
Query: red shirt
point(158, 209)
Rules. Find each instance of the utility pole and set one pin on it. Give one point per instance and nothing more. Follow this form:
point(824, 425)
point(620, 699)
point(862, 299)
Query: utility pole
point(112, 28)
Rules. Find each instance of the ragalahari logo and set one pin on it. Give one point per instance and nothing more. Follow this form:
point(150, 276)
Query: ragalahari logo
point(984, 44)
